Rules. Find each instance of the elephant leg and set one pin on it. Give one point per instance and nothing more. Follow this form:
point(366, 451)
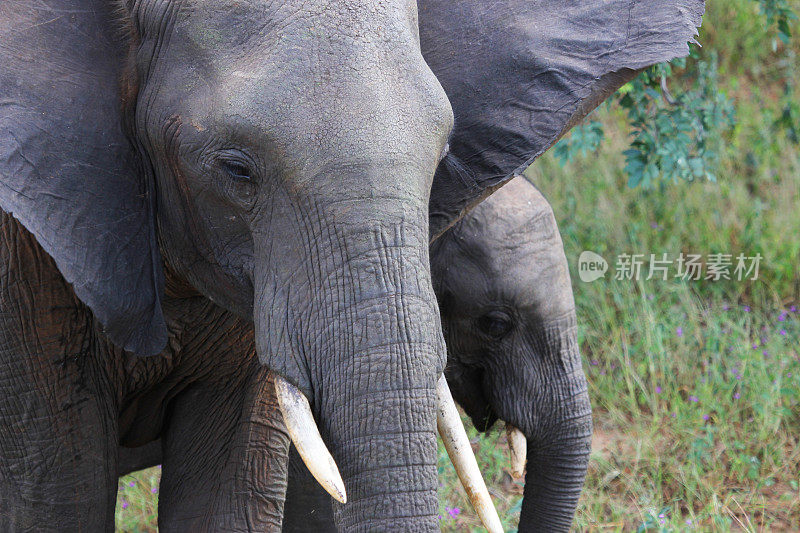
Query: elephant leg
point(58, 431)
point(308, 506)
point(57, 449)
point(225, 457)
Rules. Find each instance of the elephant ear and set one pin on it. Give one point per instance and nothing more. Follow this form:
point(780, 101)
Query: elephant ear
point(521, 73)
point(68, 172)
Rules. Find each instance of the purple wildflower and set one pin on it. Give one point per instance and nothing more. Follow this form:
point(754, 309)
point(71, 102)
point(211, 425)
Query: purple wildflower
point(783, 332)
point(658, 389)
point(693, 399)
point(679, 331)
point(454, 512)
point(746, 308)
point(765, 353)
point(782, 316)
point(736, 396)
point(132, 484)
point(793, 309)
point(154, 490)
point(706, 417)
point(595, 362)
point(725, 307)
point(124, 504)
point(688, 522)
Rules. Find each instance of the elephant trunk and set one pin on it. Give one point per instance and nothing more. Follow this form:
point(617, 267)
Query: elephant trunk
point(375, 389)
point(387, 460)
point(366, 350)
point(554, 480)
point(556, 467)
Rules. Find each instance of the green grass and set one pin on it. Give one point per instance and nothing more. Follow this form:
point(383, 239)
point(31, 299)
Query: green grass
point(137, 501)
point(697, 426)
point(700, 427)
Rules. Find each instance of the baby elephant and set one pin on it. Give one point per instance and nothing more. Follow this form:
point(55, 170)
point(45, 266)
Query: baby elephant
point(508, 317)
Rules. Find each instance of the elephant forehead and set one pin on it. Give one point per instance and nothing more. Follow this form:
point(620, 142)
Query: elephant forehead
point(316, 26)
point(298, 80)
point(516, 219)
point(298, 48)
point(505, 238)
point(509, 249)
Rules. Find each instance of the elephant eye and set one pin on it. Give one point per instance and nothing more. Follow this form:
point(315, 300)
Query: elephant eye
point(496, 324)
point(236, 170)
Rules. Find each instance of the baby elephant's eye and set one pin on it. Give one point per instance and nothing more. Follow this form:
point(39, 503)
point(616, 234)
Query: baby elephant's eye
point(496, 324)
point(236, 170)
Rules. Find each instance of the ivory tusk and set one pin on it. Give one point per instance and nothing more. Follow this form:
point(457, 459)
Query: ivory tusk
point(306, 438)
point(457, 444)
point(518, 445)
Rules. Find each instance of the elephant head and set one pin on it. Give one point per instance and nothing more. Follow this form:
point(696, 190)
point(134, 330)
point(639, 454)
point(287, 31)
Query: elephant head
point(280, 158)
point(509, 321)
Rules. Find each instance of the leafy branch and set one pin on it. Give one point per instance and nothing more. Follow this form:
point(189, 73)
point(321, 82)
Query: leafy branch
point(675, 136)
point(778, 12)
point(672, 137)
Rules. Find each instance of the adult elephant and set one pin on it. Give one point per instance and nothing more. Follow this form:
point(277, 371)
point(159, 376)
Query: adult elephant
point(509, 322)
point(277, 161)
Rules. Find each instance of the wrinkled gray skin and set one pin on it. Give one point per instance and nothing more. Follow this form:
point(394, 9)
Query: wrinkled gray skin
point(509, 320)
point(326, 244)
point(70, 398)
point(199, 171)
point(309, 219)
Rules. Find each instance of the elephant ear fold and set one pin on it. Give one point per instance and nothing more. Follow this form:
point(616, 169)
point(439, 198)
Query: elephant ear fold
point(520, 73)
point(68, 173)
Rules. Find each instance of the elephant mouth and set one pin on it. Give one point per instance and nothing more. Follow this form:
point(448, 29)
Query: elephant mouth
point(483, 419)
point(484, 416)
point(470, 388)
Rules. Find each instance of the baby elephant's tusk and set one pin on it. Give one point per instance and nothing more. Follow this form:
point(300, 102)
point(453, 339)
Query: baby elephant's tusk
point(306, 438)
point(518, 445)
point(457, 444)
